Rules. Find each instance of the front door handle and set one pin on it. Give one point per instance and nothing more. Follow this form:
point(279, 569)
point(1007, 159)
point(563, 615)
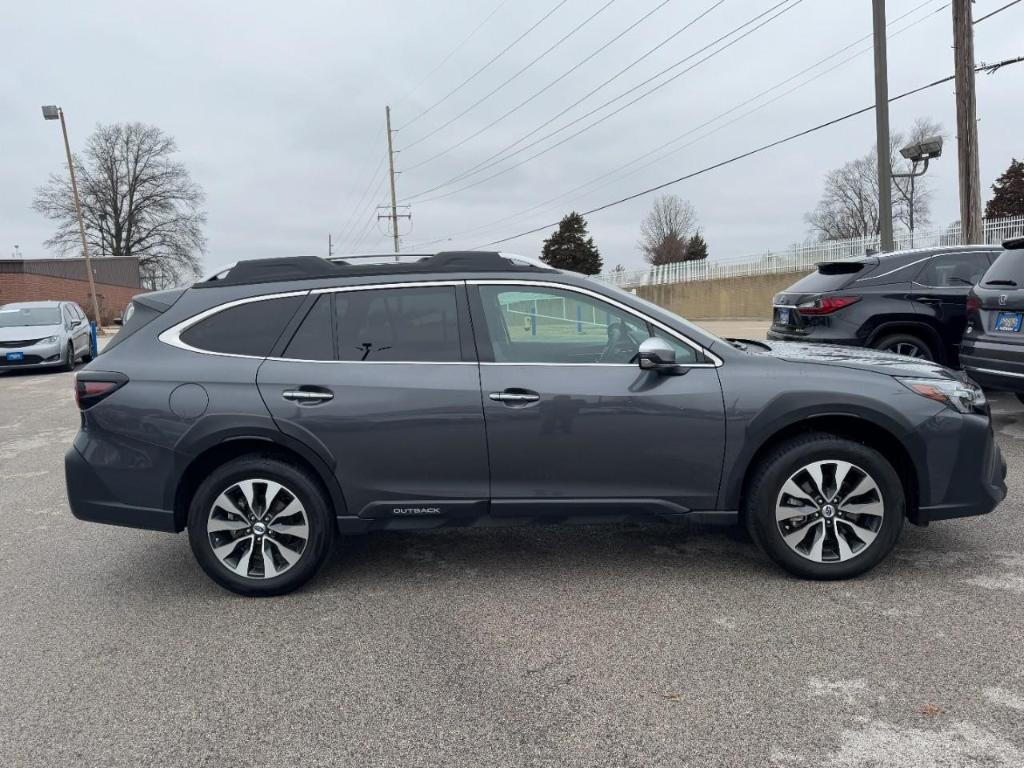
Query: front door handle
point(515, 396)
point(308, 395)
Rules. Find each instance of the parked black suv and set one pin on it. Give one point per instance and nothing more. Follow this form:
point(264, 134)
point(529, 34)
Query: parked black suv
point(910, 302)
point(993, 346)
point(292, 400)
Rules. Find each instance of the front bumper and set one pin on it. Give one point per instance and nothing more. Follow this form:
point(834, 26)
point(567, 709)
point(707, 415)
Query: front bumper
point(35, 356)
point(967, 477)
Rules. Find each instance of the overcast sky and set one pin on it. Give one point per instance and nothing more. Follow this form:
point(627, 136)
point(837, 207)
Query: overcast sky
point(278, 111)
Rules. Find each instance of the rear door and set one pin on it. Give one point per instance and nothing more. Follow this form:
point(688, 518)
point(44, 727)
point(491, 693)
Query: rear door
point(573, 425)
point(384, 379)
point(941, 286)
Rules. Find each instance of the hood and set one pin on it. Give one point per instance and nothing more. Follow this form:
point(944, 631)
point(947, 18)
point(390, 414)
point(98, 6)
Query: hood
point(858, 358)
point(23, 332)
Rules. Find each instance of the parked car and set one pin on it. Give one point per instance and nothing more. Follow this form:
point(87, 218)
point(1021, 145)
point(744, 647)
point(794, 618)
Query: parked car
point(993, 346)
point(43, 334)
point(290, 400)
point(912, 303)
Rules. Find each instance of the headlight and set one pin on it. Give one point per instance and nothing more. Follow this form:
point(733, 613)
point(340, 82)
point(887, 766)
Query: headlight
point(961, 396)
point(48, 340)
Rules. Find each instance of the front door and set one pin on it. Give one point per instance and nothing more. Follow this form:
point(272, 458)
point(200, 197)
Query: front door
point(573, 423)
point(384, 379)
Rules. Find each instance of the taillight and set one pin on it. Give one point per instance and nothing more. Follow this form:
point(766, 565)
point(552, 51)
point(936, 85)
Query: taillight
point(826, 305)
point(972, 303)
point(93, 386)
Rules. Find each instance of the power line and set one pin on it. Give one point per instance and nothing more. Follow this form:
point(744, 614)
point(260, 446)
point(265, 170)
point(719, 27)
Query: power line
point(763, 148)
point(536, 59)
point(350, 224)
point(491, 160)
point(997, 10)
point(611, 101)
point(717, 117)
point(543, 90)
point(473, 76)
point(372, 218)
point(452, 52)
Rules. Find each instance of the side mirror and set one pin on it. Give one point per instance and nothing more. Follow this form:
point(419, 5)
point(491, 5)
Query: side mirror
point(656, 355)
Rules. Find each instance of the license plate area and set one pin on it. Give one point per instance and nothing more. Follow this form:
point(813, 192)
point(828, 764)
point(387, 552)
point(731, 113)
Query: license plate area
point(783, 316)
point(1009, 322)
point(15, 357)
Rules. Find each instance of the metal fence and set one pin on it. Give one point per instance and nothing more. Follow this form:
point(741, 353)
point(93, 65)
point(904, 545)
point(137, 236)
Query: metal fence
point(805, 257)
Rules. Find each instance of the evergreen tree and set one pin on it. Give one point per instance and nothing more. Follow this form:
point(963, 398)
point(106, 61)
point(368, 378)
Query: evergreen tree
point(571, 248)
point(1007, 193)
point(696, 248)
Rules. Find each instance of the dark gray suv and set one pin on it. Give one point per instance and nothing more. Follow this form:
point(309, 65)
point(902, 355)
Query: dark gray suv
point(286, 401)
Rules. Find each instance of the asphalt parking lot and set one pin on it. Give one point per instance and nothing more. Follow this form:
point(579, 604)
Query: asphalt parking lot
point(640, 645)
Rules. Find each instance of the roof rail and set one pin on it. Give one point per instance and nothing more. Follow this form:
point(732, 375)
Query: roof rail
point(313, 267)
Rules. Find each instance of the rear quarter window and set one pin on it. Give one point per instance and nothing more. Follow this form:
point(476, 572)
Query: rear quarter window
point(246, 329)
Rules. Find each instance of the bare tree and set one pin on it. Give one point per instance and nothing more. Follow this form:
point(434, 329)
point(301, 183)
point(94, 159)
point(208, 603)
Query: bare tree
point(136, 201)
point(665, 231)
point(849, 205)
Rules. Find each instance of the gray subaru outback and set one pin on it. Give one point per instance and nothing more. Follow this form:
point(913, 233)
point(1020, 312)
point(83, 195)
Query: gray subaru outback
point(286, 401)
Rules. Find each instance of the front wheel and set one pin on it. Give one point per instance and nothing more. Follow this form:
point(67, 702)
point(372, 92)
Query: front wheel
point(260, 526)
point(69, 359)
point(825, 507)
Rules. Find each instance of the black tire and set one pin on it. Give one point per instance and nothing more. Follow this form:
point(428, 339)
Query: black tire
point(1020, 397)
point(898, 342)
point(298, 483)
point(69, 359)
point(765, 487)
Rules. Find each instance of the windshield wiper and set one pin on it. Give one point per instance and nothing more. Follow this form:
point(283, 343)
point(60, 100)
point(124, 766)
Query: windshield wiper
point(1011, 283)
point(743, 343)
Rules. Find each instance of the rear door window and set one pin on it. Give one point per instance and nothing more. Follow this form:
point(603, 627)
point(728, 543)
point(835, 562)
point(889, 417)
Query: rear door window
point(249, 329)
point(954, 270)
point(415, 324)
point(314, 339)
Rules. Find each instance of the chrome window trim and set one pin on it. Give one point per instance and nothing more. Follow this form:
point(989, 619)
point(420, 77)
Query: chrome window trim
point(716, 362)
point(172, 336)
point(893, 271)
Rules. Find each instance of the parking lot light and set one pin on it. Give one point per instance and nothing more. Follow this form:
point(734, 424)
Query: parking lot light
point(53, 112)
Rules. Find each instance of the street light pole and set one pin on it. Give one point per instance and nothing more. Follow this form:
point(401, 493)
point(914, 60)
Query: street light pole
point(51, 113)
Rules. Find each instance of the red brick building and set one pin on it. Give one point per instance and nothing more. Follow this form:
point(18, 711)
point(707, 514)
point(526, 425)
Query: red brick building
point(116, 277)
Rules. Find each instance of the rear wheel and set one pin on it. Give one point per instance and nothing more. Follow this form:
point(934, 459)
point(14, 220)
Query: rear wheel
point(260, 526)
point(824, 507)
point(906, 344)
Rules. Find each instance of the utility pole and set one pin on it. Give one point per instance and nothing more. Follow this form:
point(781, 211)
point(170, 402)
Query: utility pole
point(391, 172)
point(882, 126)
point(971, 225)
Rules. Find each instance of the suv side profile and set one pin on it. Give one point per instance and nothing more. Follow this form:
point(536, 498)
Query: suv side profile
point(911, 303)
point(288, 401)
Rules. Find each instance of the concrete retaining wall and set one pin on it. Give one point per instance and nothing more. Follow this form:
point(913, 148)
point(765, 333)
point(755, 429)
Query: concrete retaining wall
point(729, 298)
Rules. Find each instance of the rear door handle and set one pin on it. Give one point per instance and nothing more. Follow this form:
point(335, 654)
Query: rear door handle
point(515, 396)
point(308, 395)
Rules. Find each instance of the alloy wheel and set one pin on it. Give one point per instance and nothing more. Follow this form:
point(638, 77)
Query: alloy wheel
point(829, 511)
point(907, 349)
point(258, 528)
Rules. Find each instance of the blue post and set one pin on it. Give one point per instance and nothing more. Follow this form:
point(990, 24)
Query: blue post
point(533, 319)
point(579, 319)
point(93, 345)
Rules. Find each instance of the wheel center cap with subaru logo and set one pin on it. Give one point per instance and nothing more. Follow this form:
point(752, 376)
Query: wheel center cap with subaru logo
point(828, 511)
point(259, 529)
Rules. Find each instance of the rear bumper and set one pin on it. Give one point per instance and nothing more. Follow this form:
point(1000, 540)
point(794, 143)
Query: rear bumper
point(91, 499)
point(973, 483)
point(994, 365)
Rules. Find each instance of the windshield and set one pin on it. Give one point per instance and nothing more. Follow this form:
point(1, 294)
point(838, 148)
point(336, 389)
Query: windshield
point(14, 317)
